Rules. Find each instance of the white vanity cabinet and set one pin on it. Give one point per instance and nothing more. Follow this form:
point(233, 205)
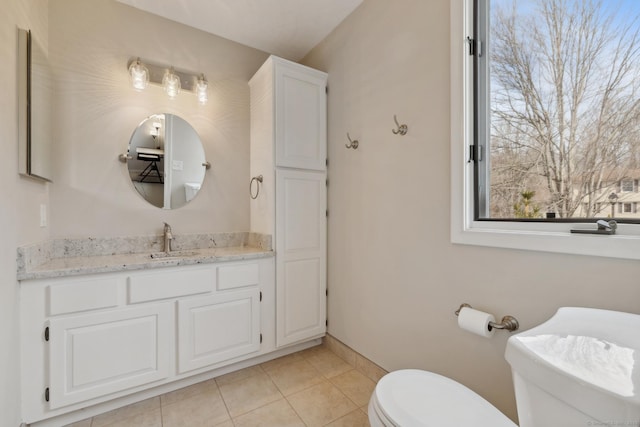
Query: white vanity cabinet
point(94, 338)
point(96, 354)
point(217, 328)
point(289, 150)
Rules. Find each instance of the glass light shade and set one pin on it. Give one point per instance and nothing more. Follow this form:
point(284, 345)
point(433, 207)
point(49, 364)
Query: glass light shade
point(171, 83)
point(201, 90)
point(139, 75)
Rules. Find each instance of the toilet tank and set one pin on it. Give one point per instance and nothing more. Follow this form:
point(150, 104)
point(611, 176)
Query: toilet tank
point(580, 368)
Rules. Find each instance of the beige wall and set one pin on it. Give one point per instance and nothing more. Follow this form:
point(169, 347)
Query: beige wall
point(394, 277)
point(97, 111)
point(21, 197)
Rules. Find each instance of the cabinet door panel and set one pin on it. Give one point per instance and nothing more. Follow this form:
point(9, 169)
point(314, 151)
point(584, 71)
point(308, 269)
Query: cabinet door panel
point(171, 284)
point(217, 328)
point(98, 354)
point(301, 315)
point(301, 117)
point(238, 275)
point(301, 260)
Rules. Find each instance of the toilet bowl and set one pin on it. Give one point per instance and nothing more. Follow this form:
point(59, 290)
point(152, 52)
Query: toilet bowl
point(579, 368)
point(412, 397)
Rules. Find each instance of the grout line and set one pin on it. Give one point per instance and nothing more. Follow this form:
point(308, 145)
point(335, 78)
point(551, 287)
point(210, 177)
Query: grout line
point(294, 410)
point(224, 402)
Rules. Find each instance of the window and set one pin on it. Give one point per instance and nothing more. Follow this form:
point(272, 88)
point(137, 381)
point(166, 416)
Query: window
point(474, 182)
point(626, 186)
point(557, 116)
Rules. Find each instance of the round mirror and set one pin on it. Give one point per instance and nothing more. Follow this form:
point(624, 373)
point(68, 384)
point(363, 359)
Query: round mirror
point(166, 161)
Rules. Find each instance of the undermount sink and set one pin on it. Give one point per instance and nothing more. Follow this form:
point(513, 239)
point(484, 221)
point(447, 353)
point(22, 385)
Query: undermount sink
point(173, 254)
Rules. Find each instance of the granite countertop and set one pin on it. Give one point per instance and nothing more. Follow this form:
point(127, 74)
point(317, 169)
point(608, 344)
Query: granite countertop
point(72, 257)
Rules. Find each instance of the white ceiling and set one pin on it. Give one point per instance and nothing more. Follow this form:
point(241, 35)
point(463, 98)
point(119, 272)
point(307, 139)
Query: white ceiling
point(287, 28)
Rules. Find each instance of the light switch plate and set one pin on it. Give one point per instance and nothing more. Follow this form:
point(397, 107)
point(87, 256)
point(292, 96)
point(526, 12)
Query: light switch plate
point(177, 165)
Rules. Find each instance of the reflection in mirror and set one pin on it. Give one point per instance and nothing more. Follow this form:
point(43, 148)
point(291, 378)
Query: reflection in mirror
point(35, 95)
point(166, 161)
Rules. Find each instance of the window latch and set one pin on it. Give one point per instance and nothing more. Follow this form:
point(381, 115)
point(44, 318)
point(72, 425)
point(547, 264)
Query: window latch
point(604, 227)
point(472, 46)
point(475, 153)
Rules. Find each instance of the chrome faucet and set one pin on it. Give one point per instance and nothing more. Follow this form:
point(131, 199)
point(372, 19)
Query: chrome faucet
point(168, 237)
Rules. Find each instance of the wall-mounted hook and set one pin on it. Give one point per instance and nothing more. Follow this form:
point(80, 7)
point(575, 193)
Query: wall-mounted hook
point(402, 129)
point(352, 144)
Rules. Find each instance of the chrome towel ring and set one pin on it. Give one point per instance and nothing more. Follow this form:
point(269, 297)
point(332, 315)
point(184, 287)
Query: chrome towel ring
point(258, 180)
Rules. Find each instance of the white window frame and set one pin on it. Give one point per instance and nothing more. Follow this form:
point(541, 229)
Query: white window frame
point(538, 236)
point(622, 185)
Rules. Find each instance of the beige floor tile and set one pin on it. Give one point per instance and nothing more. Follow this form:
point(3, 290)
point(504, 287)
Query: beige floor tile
point(321, 404)
point(205, 409)
point(145, 419)
point(278, 413)
point(83, 423)
point(250, 393)
point(313, 350)
point(239, 375)
point(126, 412)
point(209, 386)
point(280, 361)
point(227, 423)
point(295, 377)
point(353, 419)
point(328, 364)
point(355, 386)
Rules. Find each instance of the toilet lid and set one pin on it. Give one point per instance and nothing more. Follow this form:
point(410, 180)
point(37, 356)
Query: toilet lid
point(413, 397)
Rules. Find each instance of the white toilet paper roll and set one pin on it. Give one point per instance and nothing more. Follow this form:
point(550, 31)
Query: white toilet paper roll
point(476, 321)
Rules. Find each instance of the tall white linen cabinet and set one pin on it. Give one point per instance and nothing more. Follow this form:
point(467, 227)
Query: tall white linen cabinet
point(289, 151)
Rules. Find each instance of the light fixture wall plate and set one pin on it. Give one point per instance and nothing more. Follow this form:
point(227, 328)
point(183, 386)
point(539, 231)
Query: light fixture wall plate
point(188, 79)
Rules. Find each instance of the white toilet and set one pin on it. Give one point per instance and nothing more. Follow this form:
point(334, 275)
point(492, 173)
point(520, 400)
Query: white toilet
point(580, 368)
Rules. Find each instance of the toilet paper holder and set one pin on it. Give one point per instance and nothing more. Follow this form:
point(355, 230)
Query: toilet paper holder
point(509, 323)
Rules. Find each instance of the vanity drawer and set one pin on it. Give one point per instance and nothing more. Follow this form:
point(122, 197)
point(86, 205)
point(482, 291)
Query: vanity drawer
point(83, 295)
point(234, 276)
point(170, 284)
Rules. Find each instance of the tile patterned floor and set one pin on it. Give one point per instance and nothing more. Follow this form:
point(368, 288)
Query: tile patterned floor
point(314, 387)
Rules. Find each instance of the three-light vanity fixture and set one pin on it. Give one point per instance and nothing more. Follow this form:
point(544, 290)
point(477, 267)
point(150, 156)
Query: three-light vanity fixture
point(173, 81)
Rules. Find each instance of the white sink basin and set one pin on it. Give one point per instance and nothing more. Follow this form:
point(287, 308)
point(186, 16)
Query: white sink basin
point(174, 254)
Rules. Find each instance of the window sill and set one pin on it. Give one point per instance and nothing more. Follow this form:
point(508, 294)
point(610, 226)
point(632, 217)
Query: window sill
point(622, 245)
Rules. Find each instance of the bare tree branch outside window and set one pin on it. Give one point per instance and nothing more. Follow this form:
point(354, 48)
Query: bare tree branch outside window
point(565, 106)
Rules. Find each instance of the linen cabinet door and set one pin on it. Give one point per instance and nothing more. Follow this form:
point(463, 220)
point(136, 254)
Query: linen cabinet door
point(300, 116)
point(97, 354)
point(217, 328)
point(301, 246)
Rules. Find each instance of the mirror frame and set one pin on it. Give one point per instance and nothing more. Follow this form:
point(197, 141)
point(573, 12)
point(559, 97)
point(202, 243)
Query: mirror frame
point(26, 151)
point(165, 143)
